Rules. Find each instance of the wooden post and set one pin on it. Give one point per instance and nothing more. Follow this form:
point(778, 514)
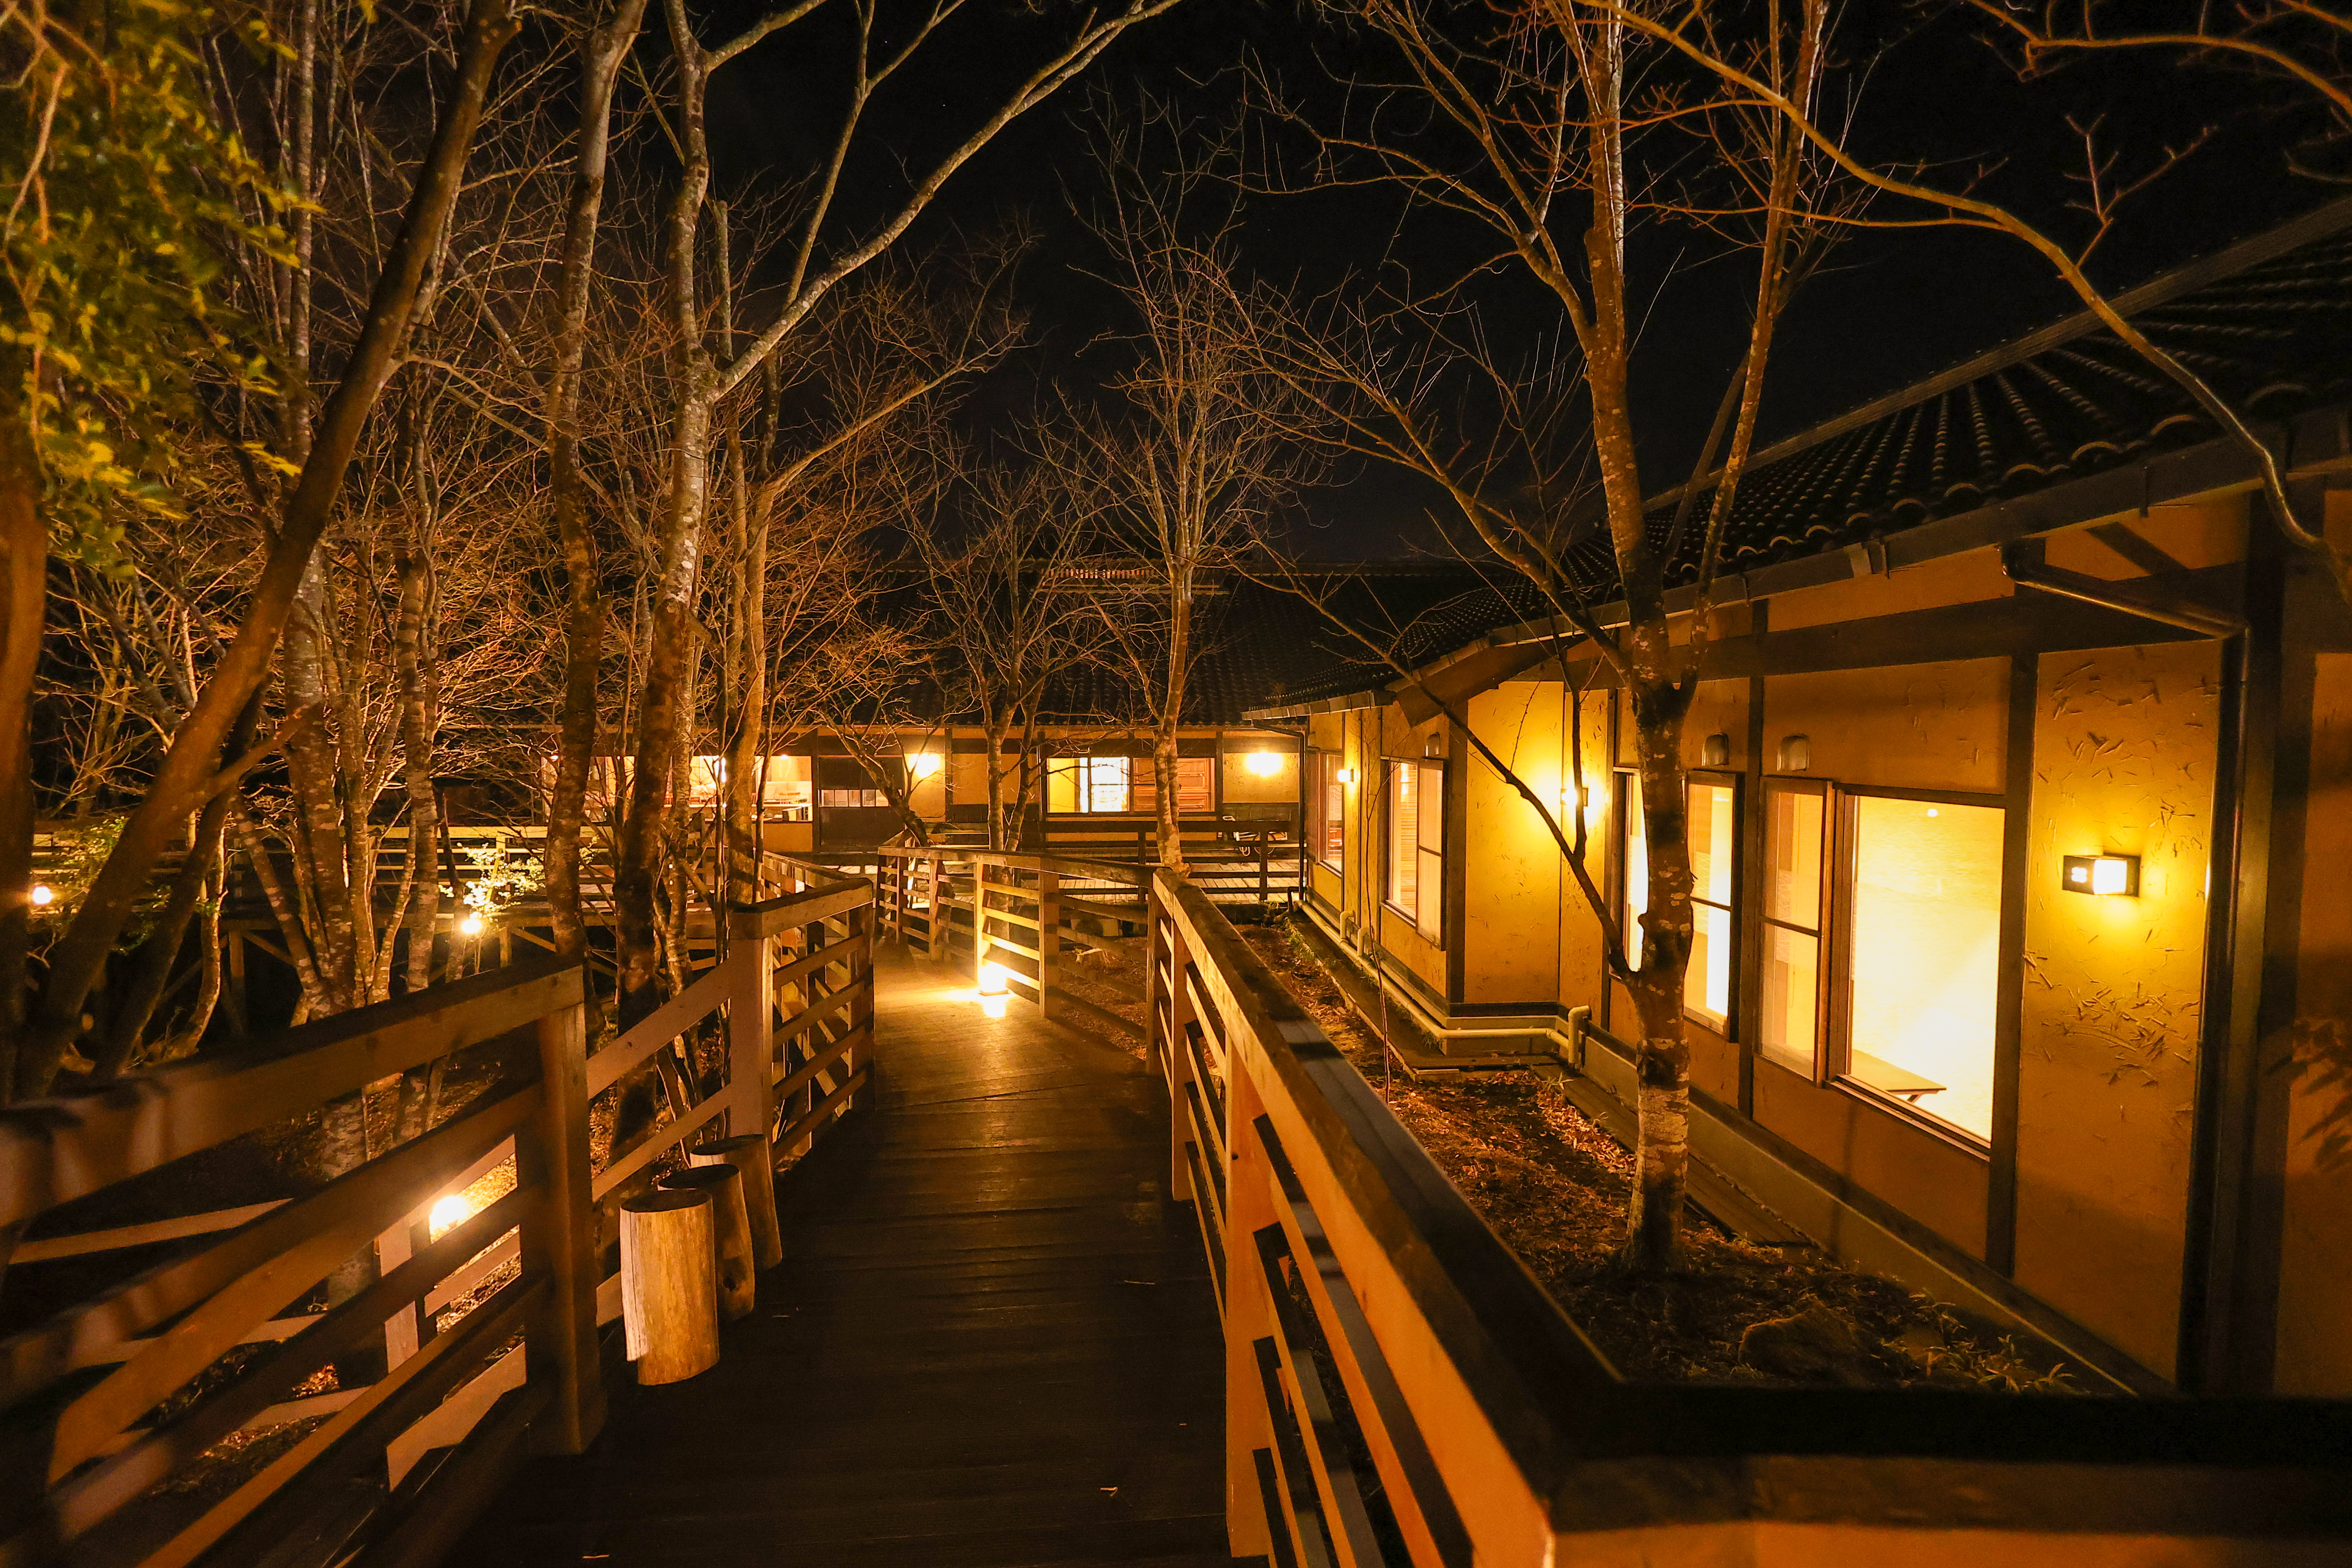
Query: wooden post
point(730, 1232)
point(1049, 937)
point(1178, 1059)
point(558, 1239)
point(669, 1284)
point(751, 1025)
point(1248, 1321)
point(751, 1154)
point(861, 1006)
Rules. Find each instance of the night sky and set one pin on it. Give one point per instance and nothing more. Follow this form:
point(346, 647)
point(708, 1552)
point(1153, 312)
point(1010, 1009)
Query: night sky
point(1892, 308)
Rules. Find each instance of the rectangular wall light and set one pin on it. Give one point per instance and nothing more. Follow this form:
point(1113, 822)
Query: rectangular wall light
point(2111, 875)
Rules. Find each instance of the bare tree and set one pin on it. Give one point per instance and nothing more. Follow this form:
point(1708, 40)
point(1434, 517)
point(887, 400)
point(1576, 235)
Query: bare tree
point(1011, 597)
point(1540, 129)
point(1191, 465)
point(2296, 41)
point(703, 373)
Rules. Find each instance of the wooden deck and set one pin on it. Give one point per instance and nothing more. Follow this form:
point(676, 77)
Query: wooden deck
point(992, 1342)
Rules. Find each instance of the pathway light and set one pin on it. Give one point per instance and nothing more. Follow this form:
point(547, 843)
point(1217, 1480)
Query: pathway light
point(43, 895)
point(471, 925)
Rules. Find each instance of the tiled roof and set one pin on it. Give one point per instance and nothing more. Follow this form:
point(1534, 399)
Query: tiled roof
point(2273, 338)
point(2268, 323)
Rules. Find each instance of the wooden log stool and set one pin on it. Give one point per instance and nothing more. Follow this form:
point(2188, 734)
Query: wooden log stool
point(751, 1153)
point(730, 1232)
point(669, 1283)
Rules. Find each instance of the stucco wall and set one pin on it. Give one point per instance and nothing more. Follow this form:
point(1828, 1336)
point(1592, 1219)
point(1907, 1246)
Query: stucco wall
point(2123, 763)
point(1913, 726)
point(1511, 910)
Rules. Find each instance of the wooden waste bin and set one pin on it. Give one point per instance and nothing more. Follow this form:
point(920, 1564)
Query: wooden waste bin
point(730, 1232)
point(669, 1283)
point(751, 1153)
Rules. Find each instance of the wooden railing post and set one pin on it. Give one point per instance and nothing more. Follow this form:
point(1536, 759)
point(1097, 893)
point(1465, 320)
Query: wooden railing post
point(861, 1005)
point(559, 1240)
point(1168, 1010)
point(1049, 936)
point(751, 1020)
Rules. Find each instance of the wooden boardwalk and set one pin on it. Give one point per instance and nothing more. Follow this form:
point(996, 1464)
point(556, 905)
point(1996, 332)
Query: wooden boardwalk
point(992, 1342)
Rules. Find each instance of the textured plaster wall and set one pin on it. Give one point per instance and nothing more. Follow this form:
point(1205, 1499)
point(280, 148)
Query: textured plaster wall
point(2315, 1311)
point(1513, 873)
point(1913, 726)
point(2124, 752)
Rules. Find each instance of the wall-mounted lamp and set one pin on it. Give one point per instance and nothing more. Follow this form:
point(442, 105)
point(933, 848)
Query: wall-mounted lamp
point(923, 764)
point(1715, 752)
point(2113, 875)
point(1263, 764)
point(1346, 775)
point(43, 895)
point(1796, 755)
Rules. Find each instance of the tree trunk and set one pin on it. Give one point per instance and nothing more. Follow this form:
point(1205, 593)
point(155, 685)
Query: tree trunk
point(183, 780)
point(419, 717)
point(583, 626)
point(24, 591)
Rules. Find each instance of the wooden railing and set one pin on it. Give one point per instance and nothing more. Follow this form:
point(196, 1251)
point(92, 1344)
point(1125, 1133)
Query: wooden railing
point(980, 907)
point(489, 1328)
point(1399, 1390)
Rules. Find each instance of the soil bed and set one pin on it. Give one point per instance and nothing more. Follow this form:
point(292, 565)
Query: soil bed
point(1553, 1183)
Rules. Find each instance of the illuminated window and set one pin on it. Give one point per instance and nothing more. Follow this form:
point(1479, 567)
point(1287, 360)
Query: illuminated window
point(1094, 783)
point(1922, 933)
point(1789, 1030)
point(1330, 810)
point(1417, 843)
point(1712, 822)
point(1714, 852)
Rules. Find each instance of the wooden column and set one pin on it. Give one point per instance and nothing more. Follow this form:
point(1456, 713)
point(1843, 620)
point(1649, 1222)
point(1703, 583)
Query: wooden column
point(732, 1250)
point(751, 1154)
point(751, 1023)
point(559, 1240)
point(1049, 938)
point(669, 1284)
point(1250, 1449)
point(861, 1005)
point(1177, 1045)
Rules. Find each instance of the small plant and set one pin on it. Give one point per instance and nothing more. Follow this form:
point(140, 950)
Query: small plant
point(505, 871)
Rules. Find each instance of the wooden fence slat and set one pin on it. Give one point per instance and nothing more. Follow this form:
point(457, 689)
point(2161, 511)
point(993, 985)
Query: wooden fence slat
point(360, 1430)
point(45, 1249)
point(29, 1360)
point(667, 1136)
point(831, 1054)
point(53, 1151)
point(302, 1242)
point(658, 1029)
point(89, 1497)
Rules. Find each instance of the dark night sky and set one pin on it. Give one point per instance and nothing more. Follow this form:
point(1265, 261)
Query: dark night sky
point(1892, 309)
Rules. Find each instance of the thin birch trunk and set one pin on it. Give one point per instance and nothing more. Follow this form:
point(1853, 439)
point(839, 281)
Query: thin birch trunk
point(186, 777)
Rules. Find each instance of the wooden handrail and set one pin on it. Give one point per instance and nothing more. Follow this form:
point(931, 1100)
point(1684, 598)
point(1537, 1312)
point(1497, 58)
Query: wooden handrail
point(808, 951)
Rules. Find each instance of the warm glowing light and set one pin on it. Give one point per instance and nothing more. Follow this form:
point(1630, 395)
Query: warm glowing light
point(923, 764)
point(449, 1213)
point(471, 925)
point(43, 895)
point(1263, 764)
point(2110, 876)
point(993, 1006)
point(1347, 775)
point(1933, 811)
point(992, 979)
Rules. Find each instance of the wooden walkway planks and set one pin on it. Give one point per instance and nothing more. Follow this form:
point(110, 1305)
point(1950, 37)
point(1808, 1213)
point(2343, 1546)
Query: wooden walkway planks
point(992, 1342)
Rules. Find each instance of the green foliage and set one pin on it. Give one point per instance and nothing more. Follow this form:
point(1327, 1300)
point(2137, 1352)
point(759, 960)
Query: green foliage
point(121, 187)
point(506, 869)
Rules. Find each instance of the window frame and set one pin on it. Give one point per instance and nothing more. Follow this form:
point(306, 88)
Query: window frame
point(1627, 784)
point(1431, 928)
point(1327, 764)
point(1833, 1040)
point(1823, 791)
